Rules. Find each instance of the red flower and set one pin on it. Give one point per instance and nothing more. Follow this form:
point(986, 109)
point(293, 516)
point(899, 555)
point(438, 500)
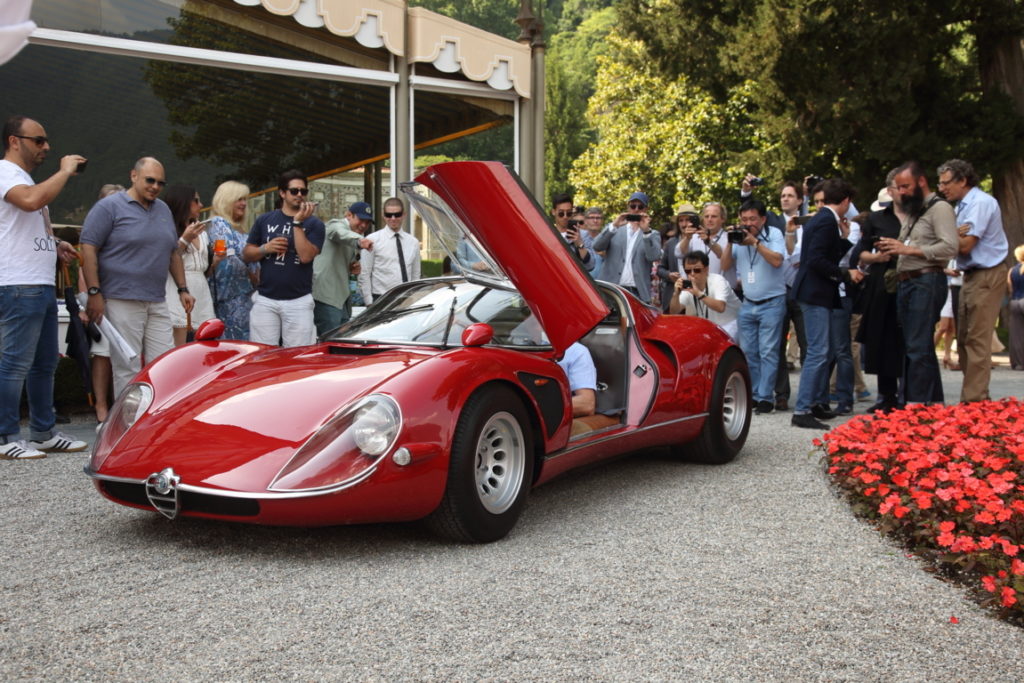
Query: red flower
point(989, 583)
point(1009, 596)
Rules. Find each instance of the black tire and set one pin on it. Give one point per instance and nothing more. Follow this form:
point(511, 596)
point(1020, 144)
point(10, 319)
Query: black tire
point(728, 421)
point(490, 470)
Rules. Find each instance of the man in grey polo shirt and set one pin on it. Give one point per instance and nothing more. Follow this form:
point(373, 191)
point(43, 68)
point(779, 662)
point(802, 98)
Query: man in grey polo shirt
point(129, 243)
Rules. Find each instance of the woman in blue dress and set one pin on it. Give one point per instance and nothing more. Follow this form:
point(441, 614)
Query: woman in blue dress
point(234, 281)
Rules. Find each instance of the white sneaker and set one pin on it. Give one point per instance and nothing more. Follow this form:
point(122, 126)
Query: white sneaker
point(59, 443)
point(19, 450)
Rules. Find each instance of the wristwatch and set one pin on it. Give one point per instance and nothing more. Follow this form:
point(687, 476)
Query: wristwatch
point(94, 290)
point(182, 290)
point(297, 224)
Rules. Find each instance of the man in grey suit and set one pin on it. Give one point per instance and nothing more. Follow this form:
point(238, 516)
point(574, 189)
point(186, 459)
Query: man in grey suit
point(629, 241)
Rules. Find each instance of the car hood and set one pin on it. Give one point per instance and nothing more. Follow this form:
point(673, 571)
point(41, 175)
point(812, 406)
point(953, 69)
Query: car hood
point(236, 427)
point(483, 209)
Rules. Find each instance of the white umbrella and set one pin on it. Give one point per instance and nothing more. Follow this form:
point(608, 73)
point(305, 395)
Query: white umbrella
point(15, 27)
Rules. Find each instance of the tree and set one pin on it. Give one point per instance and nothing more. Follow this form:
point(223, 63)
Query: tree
point(853, 87)
point(570, 77)
point(666, 137)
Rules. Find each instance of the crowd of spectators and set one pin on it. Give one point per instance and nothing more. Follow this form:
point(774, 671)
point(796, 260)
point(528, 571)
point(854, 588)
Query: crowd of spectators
point(854, 291)
point(857, 292)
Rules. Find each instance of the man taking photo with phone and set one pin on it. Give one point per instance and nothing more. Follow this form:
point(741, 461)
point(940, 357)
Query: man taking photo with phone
point(28, 300)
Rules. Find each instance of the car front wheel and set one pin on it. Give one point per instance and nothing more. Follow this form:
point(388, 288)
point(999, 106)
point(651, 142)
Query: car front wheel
point(489, 471)
point(728, 421)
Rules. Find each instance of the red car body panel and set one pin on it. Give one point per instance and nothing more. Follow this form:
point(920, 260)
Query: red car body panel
point(531, 252)
point(231, 418)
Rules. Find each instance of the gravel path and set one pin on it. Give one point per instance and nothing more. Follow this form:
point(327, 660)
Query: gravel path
point(643, 568)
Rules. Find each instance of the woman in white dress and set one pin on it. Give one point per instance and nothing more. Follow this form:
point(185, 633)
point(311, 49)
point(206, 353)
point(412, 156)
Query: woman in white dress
point(194, 246)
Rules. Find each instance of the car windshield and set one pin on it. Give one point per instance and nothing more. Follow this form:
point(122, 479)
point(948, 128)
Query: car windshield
point(435, 313)
point(468, 257)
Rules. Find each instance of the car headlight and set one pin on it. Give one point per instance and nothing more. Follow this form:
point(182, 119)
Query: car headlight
point(346, 449)
point(129, 407)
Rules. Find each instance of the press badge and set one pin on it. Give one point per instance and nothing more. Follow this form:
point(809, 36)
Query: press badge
point(750, 277)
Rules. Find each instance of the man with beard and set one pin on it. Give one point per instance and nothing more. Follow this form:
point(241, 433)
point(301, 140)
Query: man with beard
point(928, 239)
point(28, 302)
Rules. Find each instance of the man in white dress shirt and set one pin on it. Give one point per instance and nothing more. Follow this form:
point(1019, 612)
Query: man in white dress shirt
point(394, 257)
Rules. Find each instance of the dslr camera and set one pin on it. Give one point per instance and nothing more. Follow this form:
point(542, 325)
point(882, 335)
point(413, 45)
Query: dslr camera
point(735, 235)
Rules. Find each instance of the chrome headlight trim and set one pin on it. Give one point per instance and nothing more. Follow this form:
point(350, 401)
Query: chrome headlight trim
point(365, 419)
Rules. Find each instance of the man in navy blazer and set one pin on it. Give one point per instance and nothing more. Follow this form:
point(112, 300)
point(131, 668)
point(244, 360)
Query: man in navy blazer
point(631, 247)
point(816, 289)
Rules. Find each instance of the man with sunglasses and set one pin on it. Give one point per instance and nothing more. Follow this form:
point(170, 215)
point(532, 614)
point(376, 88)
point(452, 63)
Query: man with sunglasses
point(631, 247)
point(332, 267)
point(570, 222)
point(393, 256)
point(704, 294)
point(285, 241)
point(129, 244)
point(28, 301)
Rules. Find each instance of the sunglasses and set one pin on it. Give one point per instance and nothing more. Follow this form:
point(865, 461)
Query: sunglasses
point(693, 271)
point(563, 214)
point(38, 139)
point(298, 190)
point(154, 181)
point(396, 214)
point(635, 205)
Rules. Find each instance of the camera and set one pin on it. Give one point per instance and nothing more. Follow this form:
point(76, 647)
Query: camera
point(633, 217)
point(694, 220)
point(687, 284)
point(735, 235)
point(80, 168)
point(802, 220)
point(812, 181)
point(756, 182)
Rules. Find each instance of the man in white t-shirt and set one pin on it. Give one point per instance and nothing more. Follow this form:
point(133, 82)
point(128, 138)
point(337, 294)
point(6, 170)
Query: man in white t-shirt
point(28, 298)
point(707, 296)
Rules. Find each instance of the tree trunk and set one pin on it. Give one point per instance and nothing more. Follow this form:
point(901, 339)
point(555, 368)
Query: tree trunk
point(1002, 69)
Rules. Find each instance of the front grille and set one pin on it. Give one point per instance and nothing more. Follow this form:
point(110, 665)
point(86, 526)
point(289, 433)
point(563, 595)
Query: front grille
point(205, 503)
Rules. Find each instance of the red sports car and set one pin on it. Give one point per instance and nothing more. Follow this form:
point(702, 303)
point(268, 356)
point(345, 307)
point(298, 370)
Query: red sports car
point(443, 400)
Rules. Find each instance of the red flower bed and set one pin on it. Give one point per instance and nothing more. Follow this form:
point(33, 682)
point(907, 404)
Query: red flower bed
point(949, 482)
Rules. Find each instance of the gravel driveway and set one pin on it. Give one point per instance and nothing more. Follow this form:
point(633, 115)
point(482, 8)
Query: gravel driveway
point(643, 568)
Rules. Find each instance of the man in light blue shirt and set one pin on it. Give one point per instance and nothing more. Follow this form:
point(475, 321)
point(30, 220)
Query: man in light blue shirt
point(579, 368)
point(758, 259)
point(981, 257)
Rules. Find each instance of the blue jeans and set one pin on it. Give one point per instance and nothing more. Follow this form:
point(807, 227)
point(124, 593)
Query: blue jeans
point(919, 303)
point(28, 358)
point(327, 317)
point(814, 372)
point(841, 351)
point(760, 329)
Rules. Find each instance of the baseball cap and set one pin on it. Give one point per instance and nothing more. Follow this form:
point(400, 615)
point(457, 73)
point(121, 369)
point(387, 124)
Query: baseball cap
point(641, 197)
point(361, 210)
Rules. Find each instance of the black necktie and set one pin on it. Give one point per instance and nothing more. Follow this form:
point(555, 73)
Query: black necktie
point(401, 257)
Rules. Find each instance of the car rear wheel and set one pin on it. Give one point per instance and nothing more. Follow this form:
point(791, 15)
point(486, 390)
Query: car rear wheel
point(489, 471)
point(728, 421)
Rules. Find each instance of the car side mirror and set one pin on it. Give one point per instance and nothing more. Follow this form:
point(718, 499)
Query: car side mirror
point(210, 330)
point(477, 334)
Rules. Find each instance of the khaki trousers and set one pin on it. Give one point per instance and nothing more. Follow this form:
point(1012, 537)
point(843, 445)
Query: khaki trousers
point(980, 297)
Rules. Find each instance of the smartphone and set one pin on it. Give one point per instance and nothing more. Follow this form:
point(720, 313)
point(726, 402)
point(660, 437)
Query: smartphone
point(633, 217)
point(802, 220)
point(81, 166)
